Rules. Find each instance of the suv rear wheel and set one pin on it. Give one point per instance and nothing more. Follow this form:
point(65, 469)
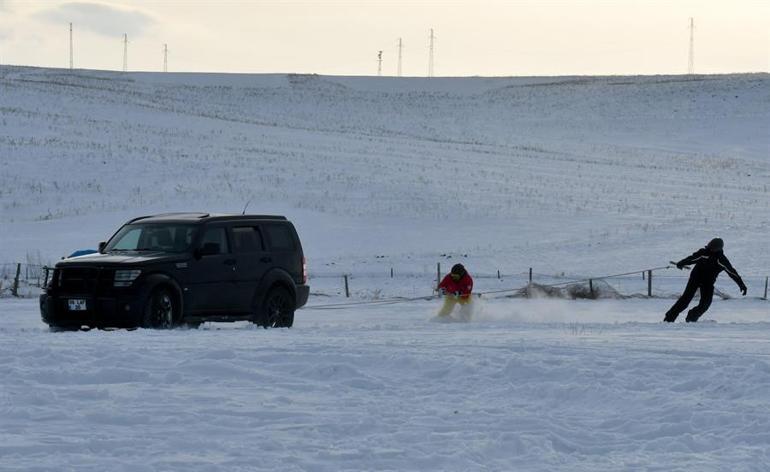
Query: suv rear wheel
point(277, 309)
point(160, 310)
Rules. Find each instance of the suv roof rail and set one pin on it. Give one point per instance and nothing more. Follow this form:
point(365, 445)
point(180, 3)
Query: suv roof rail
point(264, 217)
point(138, 218)
point(178, 213)
point(248, 217)
point(207, 216)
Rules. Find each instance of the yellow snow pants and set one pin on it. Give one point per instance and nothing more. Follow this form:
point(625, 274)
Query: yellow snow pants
point(449, 304)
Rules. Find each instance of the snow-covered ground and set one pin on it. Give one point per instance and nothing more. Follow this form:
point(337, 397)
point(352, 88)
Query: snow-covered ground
point(576, 177)
point(531, 385)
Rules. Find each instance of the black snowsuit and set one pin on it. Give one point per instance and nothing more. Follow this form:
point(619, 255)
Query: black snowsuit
point(708, 265)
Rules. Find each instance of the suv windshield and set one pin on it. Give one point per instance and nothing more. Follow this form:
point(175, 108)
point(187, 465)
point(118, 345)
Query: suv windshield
point(153, 237)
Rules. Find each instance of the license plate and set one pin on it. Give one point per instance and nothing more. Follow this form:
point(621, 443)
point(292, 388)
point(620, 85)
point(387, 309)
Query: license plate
point(77, 304)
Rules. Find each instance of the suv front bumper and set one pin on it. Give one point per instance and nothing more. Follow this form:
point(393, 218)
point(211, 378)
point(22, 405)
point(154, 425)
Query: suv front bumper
point(101, 311)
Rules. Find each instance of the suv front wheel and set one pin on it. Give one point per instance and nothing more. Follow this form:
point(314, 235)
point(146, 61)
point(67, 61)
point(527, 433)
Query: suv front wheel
point(160, 310)
point(277, 309)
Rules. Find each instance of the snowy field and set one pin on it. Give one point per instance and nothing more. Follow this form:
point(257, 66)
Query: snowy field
point(576, 177)
point(583, 175)
point(528, 385)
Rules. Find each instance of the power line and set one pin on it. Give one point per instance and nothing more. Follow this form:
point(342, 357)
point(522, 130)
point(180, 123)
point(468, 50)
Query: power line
point(400, 47)
point(71, 61)
point(430, 55)
point(125, 52)
point(691, 56)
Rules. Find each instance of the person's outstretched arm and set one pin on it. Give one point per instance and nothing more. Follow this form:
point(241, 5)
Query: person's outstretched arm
point(689, 260)
point(725, 264)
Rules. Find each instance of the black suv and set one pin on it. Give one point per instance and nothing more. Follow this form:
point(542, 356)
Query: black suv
point(183, 269)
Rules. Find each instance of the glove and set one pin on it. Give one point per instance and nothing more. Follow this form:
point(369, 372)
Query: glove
point(457, 294)
point(679, 265)
point(743, 289)
point(442, 291)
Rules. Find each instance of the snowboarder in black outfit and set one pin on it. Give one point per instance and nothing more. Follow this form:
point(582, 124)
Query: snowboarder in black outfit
point(709, 262)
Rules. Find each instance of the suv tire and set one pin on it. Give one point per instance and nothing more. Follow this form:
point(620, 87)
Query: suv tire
point(277, 309)
point(160, 311)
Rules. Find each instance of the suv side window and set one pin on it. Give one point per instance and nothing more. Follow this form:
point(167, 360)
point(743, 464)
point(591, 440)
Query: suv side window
point(247, 239)
point(216, 236)
point(280, 238)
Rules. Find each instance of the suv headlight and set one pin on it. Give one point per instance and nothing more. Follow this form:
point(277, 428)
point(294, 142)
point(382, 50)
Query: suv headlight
point(124, 278)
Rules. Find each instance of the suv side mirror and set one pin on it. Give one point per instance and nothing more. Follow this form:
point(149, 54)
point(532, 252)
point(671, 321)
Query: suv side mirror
point(102, 247)
point(208, 249)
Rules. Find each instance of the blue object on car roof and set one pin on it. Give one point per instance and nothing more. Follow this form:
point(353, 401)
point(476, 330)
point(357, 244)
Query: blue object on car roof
point(82, 252)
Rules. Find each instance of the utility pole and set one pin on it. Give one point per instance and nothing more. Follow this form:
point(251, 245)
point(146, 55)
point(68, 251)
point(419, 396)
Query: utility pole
point(71, 62)
point(691, 57)
point(430, 55)
point(165, 57)
point(125, 52)
point(400, 46)
point(379, 63)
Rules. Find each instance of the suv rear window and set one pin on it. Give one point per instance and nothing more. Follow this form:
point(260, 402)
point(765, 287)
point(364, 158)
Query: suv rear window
point(217, 236)
point(247, 239)
point(280, 237)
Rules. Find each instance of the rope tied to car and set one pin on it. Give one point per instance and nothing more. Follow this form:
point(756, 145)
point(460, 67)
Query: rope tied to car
point(396, 300)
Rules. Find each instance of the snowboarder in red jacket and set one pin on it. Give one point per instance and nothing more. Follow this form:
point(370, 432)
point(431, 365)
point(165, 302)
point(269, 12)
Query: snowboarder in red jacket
point(456, 288)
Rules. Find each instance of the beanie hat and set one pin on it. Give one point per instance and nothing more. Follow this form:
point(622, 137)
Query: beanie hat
point(715, 244)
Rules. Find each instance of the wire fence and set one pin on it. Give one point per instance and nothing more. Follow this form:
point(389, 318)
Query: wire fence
point(20, 279)
point(653, 282)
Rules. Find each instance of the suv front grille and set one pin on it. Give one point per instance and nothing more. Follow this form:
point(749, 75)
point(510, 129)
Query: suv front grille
point(85, 280)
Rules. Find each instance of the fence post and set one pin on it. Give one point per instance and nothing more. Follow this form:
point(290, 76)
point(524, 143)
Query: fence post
point(766, 288)
point(498, 274)
point(391, 272)
point(438, 273)
point(591, 287)
point(15, 288)
point(530, 275)
point(649, 283)
point(347, 289)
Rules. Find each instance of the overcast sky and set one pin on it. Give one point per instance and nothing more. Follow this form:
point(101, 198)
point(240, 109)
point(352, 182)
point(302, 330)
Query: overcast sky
point(490, 38)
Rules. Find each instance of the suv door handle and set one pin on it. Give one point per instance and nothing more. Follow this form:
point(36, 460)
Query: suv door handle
point(229, 262)
point(266, 259)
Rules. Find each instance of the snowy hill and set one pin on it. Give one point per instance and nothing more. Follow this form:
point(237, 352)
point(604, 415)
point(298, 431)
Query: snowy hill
point(584, 175)
point(592, 174)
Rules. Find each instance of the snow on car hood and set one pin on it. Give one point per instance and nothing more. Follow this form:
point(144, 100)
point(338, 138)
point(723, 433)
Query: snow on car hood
point(120, 258)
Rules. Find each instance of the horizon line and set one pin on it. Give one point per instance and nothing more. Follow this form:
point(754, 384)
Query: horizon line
point(374, 76)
